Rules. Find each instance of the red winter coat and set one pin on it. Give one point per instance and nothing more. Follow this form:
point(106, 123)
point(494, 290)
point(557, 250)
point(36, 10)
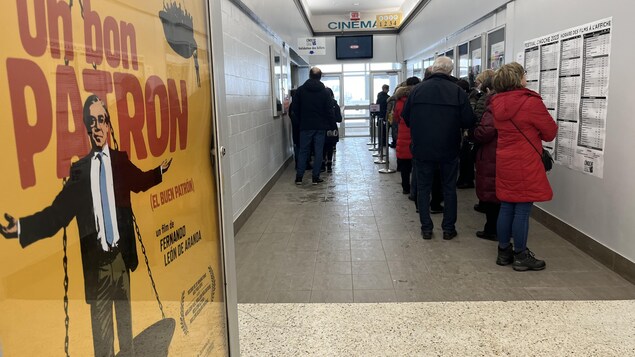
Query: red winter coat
point(485, 137)
point(520, 174)
point(403, 133)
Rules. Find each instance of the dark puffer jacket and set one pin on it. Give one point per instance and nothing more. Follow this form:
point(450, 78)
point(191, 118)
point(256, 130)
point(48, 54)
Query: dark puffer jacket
point(436, 111)
point(481, 105)
point(485, 136)
point(313, 106)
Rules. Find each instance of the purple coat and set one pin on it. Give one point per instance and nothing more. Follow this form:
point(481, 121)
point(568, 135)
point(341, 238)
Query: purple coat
point(485, 135)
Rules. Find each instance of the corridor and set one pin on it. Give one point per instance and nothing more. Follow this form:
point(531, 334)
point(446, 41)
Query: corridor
point(355, 239)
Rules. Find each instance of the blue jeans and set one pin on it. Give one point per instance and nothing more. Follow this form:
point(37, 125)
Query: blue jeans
point(425, 177)
point(513, 221)
point(306, 138)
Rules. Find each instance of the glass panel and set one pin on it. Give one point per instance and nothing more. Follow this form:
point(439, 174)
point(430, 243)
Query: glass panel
point(333, 82)
point(385, 66)
point(475, 58)
point(496, 48)
point(355, 90)
point(355, 67)
point(450, 53)
point(357, 121)
point(464, 61)
point(380, 79)
point(330, 68)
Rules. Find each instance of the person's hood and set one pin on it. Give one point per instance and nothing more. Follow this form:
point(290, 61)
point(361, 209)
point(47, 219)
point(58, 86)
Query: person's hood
point(402, 92)
point(507, 104)
point(314, 85)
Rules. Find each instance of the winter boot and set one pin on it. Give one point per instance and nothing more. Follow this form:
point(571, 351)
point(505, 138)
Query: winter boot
point(527, 261)
point(505, 256)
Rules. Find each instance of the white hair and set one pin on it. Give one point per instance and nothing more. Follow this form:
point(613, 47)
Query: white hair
point(443, 64)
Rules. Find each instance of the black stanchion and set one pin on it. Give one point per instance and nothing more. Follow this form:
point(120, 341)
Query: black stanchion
point(373, 140)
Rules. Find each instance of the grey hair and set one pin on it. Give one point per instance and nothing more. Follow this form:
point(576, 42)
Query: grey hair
point(443, 64)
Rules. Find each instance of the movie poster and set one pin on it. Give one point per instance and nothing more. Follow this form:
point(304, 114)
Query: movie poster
point(109, 231)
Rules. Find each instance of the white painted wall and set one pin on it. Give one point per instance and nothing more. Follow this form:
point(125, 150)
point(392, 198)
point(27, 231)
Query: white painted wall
point(259, 144)
point(384, 50)
point(601, 208)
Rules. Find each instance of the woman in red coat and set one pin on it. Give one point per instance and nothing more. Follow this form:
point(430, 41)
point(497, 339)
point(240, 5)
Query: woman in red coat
point(404, 155)
point(522, 122)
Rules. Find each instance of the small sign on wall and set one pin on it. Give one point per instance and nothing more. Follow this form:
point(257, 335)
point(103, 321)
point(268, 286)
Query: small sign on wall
point(389, 20)
point(311, 46)
point(355, 16)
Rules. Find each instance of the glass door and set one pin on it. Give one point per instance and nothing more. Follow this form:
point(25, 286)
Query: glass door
point(334, 81)
point(356, 100)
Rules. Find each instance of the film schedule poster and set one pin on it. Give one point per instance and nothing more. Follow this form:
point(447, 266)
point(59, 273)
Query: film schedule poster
point(109, 235)
point(570, 70)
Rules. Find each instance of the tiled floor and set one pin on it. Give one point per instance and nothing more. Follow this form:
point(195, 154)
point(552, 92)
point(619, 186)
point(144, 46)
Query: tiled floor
point(355, 238)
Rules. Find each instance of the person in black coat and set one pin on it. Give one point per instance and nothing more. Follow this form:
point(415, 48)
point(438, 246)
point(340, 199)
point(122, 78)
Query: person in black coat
point(436, 112)
point(313, 108)
point(382, 100)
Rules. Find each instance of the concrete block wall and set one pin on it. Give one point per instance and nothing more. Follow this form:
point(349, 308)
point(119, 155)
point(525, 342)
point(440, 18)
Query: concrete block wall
point(259, 143)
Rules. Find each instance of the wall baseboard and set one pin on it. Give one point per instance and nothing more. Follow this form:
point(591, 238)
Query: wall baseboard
point(588, 245)
point(243, 217)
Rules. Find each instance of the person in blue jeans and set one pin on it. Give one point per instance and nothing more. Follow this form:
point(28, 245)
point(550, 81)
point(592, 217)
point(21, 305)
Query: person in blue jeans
point(523, 123)
point(313, 109)
point(436, 111)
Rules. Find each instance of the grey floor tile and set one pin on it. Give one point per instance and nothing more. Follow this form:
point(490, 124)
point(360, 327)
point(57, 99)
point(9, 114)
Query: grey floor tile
point(332, 282)
point(372, 282)
point(366, 244)
point(602, 293)
point(370, 268)
point(303, 244)
point(334, 256)
point(334, 244)
point(333, 268)
point(411, 295)
point(287, 297)
point(332, 296)
point(552, 293)
point(374, 296)
point(368, 254)
point(292, 282)
point(358, 223)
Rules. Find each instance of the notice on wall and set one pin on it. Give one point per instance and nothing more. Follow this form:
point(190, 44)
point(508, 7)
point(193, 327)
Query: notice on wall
point(570, 70)
point(311, 46)
point(476, 61)
point(110, 242)
point(497, 51)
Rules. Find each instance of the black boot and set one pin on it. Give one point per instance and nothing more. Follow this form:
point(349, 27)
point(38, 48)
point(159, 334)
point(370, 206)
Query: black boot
point(527, 261)
point(505, 256)
point(329, 167)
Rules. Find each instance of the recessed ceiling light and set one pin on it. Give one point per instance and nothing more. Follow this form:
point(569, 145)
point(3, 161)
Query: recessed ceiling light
point(355, 4)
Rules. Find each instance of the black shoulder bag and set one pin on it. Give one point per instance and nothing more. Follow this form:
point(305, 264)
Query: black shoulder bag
point(547, 160)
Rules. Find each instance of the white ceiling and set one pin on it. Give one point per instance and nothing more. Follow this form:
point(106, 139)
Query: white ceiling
point(333, 7)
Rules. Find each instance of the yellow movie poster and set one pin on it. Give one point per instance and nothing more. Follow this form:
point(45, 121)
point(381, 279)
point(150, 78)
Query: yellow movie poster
point(109, 233)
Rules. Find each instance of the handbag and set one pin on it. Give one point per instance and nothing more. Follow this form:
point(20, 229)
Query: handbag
point(547, 159)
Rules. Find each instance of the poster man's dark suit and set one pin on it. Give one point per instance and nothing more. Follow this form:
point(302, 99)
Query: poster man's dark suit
point(106, 274)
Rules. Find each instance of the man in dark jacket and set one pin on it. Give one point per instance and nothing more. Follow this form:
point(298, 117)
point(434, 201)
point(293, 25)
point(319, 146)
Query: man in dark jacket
point(436, 111)
point(313, 109)
point(382, 100)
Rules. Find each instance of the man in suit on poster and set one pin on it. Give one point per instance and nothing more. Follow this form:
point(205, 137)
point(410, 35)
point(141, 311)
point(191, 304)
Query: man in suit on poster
point(97, 194)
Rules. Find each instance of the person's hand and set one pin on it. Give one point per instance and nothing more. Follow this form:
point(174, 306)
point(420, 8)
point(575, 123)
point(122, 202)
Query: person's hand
point(11, 230)
point(165, 165)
